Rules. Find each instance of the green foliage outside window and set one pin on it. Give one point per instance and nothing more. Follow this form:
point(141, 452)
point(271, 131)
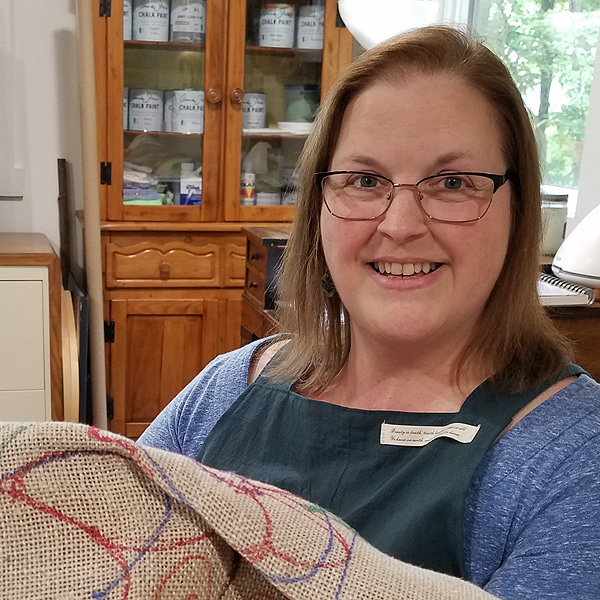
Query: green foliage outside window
point(550, 47)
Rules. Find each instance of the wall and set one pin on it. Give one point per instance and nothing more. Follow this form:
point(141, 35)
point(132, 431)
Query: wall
point(39, 104)
point(589, 186)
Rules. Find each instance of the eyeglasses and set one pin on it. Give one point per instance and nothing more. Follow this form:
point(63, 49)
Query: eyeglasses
point(451, 197)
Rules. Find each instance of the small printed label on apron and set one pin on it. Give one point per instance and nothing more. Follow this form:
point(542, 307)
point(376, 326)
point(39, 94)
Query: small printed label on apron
point(421, 435)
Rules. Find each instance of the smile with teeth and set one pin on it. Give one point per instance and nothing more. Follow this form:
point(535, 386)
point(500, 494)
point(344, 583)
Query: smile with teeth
point(404, 270)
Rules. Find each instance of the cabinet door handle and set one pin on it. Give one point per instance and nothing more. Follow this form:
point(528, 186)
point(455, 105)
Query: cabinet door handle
point(237, 95)
point(254, 256)
point(213, 95)
point(165, 270)
point(253, 284)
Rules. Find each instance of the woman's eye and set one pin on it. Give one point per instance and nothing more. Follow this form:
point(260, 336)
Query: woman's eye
point(453, 183)
point(365, 181)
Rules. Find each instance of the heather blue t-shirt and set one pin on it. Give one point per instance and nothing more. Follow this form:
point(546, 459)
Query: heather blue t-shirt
point(532, 517)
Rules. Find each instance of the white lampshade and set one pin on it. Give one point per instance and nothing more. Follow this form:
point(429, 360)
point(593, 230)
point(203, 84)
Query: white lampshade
point(374, 21)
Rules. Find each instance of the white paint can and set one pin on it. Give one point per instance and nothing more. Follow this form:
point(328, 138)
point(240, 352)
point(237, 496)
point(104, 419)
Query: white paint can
point(188, 21)
point(254, 111)
point(188, 111)
point(125, 108)
point(311, 21)
point(268, 198)
point(151, 20)
point(127, 19)
point(145, 110)
point(168, 111)
point(277, 25)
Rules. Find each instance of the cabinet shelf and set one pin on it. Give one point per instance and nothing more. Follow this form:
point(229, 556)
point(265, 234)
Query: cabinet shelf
point(169, 134)
point(161, 46)
point(304, 54)
point(271, 134)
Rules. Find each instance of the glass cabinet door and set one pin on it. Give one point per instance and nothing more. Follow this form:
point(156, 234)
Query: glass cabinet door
point(275, 95)
point(160, 67)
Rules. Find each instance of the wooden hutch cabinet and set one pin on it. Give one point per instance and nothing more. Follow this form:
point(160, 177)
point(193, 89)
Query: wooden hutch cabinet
point(230, 94)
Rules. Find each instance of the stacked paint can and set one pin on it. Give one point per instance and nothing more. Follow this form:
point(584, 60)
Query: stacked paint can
point(254, 110)
point(188, 21)
point(311, 20)
point(277, 26)
point(145, 109)
point(188, 111)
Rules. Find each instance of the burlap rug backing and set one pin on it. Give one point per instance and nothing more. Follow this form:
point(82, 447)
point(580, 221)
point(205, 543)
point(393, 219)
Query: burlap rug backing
point(85, 513)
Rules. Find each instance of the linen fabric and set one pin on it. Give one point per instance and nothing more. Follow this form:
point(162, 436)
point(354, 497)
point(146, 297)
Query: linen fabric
point(531, 517)
point(86, 513)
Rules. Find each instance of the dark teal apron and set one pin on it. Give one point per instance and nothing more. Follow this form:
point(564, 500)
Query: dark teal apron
point(406, 501)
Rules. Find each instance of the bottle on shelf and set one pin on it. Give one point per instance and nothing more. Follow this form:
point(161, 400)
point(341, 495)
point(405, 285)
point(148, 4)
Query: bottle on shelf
point(190, 185)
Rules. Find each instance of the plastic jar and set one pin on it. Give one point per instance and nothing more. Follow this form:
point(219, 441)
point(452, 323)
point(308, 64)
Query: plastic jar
point(554, 217)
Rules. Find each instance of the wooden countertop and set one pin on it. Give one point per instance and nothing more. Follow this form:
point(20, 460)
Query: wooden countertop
point(27, 244)
point(273, 235)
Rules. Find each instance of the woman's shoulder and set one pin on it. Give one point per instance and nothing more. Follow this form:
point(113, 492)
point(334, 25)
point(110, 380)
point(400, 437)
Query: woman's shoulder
point(541, 474)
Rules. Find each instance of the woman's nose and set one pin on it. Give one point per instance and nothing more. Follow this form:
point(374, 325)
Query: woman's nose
point(404, 217)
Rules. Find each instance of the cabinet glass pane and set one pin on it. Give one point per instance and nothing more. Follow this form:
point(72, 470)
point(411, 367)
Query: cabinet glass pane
point(163, 101)
point(282, 90)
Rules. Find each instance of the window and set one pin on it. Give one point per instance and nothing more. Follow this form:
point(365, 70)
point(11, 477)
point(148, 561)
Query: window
point(550, 47)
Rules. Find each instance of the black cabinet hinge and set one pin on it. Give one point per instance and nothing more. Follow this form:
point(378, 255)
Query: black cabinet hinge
point(110, 408)
point(339, 22)
point(105, 8)
point(105, 173)
point(109, 332)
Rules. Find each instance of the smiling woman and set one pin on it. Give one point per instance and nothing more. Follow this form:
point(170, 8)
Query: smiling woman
point(420, 394)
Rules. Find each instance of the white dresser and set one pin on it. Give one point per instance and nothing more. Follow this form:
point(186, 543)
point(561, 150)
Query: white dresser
point(30, 329)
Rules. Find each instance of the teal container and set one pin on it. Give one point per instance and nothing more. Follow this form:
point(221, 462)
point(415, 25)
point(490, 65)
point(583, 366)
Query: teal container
point(301, 103)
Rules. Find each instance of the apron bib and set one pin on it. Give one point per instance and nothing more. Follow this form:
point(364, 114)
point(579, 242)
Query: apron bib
point(406, 500)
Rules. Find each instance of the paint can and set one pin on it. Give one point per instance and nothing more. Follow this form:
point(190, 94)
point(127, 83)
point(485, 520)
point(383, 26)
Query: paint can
point(268, 198)
point(254, 111)
point(168, 111)
point(277, 25)
point(311, 20)
point(125, 108)
point(145, 110)
point(127, 19)
point(151, 20)
point(188, 111)
point(188, 21)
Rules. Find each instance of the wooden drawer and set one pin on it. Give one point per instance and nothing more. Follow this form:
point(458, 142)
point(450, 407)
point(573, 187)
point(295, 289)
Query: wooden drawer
point(252, 319)
point(174, 260)
point(256, 322)
point(255, 285)
point(257, 256)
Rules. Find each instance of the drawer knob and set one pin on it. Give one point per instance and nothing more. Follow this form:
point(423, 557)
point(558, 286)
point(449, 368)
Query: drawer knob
point(237, 95)
point(254, 256)
point(165, 270)
point(253, 284)
point(213, 95)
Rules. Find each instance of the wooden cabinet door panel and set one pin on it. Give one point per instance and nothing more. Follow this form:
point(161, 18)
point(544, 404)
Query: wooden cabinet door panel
point(160, 345)
point(234, 265)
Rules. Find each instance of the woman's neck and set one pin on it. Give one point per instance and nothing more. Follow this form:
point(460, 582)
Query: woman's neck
point(380, 379)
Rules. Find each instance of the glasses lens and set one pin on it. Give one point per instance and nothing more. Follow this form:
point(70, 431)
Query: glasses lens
point(456, 197)
point(356, 195)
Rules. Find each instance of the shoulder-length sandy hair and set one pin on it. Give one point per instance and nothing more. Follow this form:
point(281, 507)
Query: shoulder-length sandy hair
point(515, 340)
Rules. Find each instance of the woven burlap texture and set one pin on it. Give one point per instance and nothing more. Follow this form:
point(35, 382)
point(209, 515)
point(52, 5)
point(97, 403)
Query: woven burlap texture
point(86, 513)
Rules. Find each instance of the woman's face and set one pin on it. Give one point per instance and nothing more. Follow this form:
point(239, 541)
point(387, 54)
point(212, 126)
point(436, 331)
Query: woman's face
point(407, 131)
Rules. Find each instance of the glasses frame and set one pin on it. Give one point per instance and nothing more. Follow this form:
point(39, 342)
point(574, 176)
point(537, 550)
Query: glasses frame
point(497, 180)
